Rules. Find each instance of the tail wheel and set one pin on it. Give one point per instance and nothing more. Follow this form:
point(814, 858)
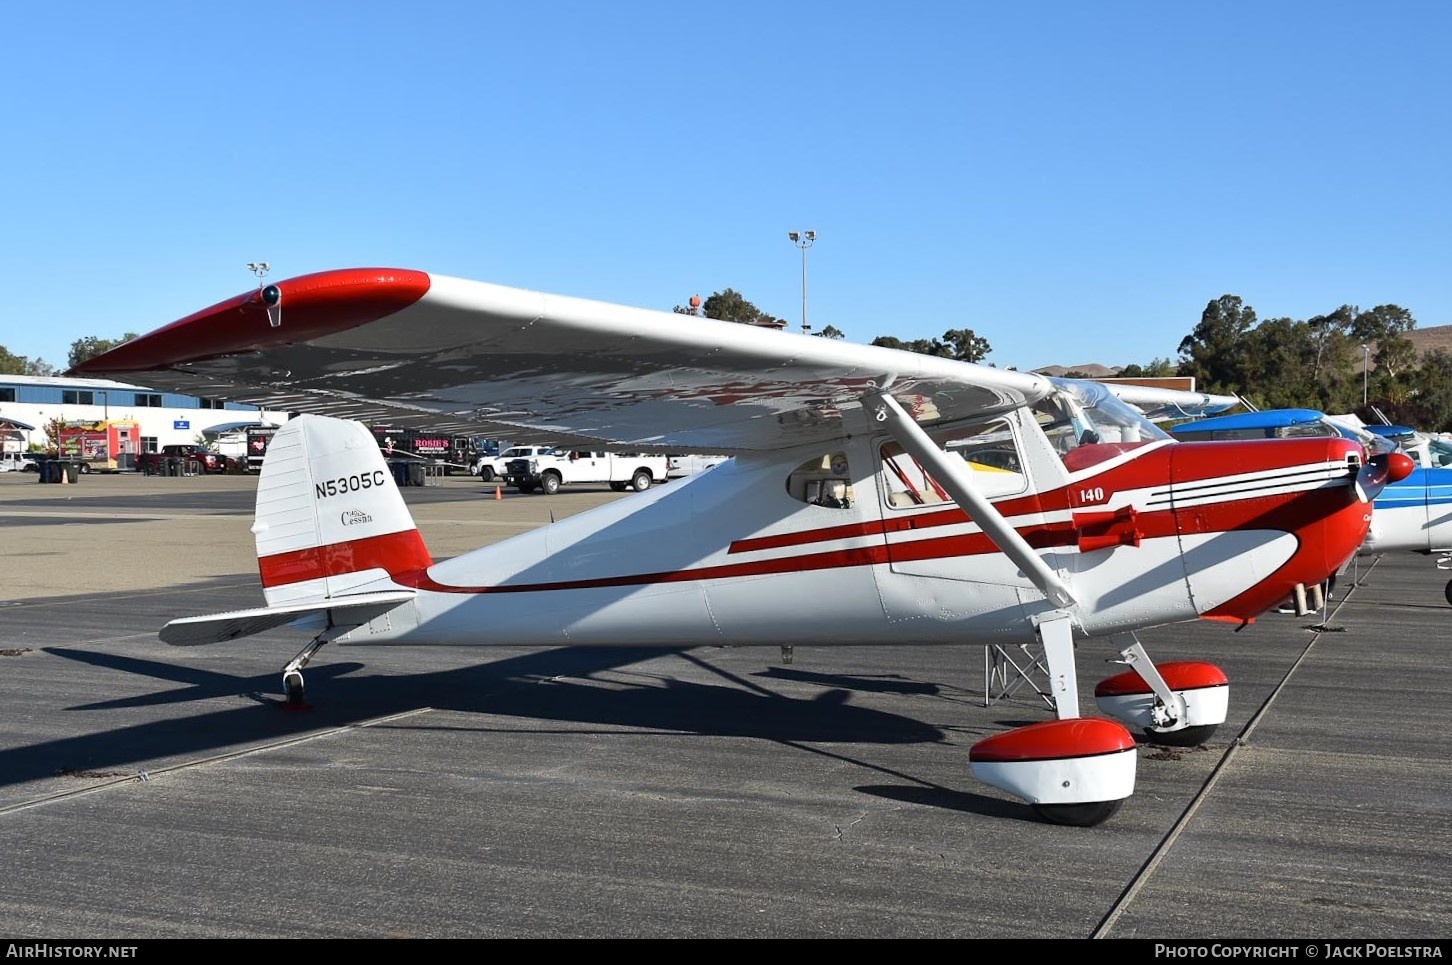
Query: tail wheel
point(293, 684)
point(640, 482)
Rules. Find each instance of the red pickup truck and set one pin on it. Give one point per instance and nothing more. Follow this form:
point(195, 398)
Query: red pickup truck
point(186, 458)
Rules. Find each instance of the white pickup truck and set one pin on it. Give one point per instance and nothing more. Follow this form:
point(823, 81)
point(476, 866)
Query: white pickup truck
point(689, 465)
point(552, 468)
point(490, 468)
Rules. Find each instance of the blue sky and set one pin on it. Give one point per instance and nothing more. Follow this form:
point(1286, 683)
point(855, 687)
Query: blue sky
point(1072, 181)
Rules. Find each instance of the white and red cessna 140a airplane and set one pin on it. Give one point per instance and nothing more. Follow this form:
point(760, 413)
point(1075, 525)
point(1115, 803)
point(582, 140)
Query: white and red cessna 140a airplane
point(875, 497)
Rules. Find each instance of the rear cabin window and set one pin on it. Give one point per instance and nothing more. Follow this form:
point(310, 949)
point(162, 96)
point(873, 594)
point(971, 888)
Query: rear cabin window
point(823, 481)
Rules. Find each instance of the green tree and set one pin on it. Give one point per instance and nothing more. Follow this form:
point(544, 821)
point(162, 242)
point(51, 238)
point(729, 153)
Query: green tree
point(922, 346)
point(831, 332)
point(956, 343)
point(1217, 352)
point(730, 305)
point(91, 346)
point(1337, 373)
point(1429, 406)
point(11, 364)
point(1395, 356)
point(1279, 365)
point(966, 345)
point(1158, 368)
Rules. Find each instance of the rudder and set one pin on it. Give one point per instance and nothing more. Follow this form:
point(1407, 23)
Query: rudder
point(330, 519)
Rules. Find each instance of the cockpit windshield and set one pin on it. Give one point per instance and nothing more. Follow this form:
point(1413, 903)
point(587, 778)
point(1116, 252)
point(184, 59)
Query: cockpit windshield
point(1087, 423)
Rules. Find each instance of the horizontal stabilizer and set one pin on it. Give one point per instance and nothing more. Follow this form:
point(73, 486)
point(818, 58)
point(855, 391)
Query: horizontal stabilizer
point(343, 611)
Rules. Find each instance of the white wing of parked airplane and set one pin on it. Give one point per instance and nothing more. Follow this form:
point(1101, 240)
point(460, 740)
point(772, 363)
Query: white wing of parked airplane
point(410, 349)
point(1163, 404)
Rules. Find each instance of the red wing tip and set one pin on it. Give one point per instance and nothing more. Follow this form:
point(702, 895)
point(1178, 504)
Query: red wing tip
point(303, 308)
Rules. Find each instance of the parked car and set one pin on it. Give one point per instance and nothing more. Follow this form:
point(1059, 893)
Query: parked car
point(19, 462)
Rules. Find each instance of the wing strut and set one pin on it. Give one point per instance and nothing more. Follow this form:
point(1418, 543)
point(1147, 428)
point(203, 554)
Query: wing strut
point(953, 473)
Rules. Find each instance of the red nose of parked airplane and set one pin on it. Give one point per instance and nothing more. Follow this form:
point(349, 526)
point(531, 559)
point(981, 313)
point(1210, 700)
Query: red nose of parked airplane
point(1290, 508)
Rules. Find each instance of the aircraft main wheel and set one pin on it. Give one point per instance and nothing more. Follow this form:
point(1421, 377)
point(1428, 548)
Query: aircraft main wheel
point(1192, 736)
point(640, 482)
point(1078, 815)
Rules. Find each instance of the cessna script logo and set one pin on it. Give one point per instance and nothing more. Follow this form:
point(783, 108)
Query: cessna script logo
point(355, 517)
point(351, 484)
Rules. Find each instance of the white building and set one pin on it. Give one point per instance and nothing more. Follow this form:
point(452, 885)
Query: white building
point(161, 418)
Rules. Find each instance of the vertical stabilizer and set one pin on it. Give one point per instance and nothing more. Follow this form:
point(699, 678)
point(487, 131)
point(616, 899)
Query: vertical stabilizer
point(330, 519)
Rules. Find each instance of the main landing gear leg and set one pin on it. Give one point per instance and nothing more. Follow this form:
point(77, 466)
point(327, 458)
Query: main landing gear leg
point(292, 678)
point(1057, 637)
point(1178, 704)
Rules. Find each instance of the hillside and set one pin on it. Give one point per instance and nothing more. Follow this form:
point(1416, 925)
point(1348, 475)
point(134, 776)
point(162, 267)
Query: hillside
point(1427, 339)
point(1091, 369)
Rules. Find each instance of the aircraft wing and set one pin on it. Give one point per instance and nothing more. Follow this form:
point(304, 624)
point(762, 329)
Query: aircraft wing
point(1162, 405)
point(411, 349)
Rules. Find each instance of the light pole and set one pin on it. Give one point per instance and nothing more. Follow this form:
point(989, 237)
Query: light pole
point(1365, 367)
point(803, 240)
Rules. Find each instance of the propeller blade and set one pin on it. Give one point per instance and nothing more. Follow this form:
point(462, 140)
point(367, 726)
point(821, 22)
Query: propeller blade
point(1380, 470)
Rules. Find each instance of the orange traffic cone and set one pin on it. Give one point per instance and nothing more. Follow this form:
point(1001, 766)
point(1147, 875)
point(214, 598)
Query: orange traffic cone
point(498, 490)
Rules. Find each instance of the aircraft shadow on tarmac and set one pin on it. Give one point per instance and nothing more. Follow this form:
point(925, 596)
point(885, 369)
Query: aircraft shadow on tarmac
point(546, 685)
point(874, 684)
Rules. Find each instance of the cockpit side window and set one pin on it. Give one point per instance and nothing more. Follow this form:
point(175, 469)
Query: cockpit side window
point(1086, 424)
point(990, 453)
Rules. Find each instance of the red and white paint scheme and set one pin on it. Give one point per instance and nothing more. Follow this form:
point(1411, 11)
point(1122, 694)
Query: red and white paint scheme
point(873, 497)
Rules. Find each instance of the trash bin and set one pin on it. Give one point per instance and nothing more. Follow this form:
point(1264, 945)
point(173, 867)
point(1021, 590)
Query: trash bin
point(400, 472)
point(173, 466)
point(73, 472)
point(415, 474)
point(52, 471)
